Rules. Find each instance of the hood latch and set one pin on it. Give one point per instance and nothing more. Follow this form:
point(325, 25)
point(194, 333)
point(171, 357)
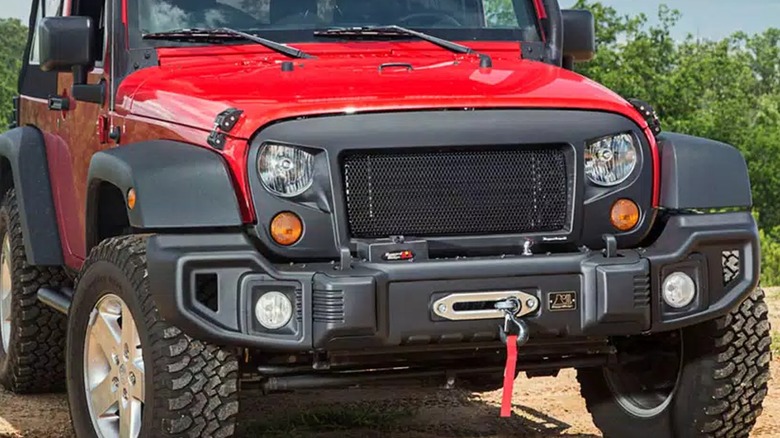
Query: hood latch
point(224, 123)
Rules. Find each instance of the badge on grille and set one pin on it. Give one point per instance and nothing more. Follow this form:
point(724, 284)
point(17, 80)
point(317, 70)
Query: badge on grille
point(560, 301)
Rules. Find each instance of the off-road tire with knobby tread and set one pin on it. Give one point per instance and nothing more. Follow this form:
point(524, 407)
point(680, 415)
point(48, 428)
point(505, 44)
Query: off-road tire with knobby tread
point(191, 386)
point(721, 388)
point(35, 360)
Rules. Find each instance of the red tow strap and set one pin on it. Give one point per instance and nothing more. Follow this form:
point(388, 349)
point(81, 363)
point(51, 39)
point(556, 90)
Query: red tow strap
point(509, 375)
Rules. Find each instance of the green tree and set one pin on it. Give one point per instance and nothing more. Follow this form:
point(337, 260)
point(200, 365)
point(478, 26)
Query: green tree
point(499, 13)
point(13, 38)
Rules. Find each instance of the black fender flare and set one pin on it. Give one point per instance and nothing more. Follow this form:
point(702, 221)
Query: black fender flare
point(698, 173)
point(25, 150)
point(178, 186)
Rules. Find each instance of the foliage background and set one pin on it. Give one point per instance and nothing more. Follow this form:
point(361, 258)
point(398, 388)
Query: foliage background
point(13, 37)
point(727, 90)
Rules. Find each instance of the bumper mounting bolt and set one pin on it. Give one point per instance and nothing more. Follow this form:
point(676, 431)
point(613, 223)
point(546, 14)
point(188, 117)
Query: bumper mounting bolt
point(442, 308)
point(531, 303)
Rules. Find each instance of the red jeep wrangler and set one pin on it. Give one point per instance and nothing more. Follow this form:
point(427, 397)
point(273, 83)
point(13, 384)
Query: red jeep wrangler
point(321, 193)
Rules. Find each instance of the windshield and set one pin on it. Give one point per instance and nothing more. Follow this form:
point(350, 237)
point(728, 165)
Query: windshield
point(294, 20)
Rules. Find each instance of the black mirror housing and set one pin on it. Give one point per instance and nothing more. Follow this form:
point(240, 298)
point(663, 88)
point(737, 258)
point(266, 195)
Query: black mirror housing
point(579, 35)
point(66, 42)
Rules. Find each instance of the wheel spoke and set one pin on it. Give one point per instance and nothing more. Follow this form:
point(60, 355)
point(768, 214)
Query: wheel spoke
point(125, 419)
point(129, 418)
point(137, 375)
point(106, 332)
point(6, 304)
point(104, 397)
point(130, 339)
point(5, 295)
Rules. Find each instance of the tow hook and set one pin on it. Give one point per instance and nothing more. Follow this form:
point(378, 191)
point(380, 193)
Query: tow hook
point(512, 326)
point(514, 334)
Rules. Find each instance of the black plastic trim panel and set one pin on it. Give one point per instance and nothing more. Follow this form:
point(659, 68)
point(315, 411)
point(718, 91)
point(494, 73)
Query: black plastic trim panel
point(697, 173)
point(695, 244)
point(389, 304)
point(177, 185)
point(25, 150)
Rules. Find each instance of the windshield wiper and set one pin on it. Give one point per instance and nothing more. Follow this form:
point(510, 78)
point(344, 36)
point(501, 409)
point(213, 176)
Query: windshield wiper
point(395, 31)
point(222, 33)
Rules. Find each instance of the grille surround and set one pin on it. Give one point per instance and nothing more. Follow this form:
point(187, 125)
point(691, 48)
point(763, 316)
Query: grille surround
point(458, 191)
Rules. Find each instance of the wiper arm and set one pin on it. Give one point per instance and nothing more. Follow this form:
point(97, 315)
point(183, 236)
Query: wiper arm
point(399, 31)
point(223, 33)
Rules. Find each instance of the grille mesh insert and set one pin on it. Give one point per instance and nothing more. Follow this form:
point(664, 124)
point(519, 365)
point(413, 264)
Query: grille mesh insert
point(456, 192)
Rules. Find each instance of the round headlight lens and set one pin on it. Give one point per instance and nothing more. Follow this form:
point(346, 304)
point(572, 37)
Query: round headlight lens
point(284, 170)
point(611, 160)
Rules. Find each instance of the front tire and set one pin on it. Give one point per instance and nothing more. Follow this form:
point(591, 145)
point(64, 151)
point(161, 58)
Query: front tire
point(132, 374)
point(720, 383)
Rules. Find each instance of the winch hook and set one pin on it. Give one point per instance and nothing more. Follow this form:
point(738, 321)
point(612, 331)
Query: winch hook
point(512, 325)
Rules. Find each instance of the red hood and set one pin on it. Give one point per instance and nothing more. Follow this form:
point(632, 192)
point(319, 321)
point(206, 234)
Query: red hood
point(192, 85)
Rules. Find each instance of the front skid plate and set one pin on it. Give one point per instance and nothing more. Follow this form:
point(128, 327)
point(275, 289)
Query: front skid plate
point(445, 307)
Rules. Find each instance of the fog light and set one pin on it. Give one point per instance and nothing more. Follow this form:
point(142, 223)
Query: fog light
point(678, 290)
point(273, 310)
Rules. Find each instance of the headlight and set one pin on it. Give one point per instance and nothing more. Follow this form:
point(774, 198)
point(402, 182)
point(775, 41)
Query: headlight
point(610, 160)
point(273, 310)
point(284, 170)
point(678, 290)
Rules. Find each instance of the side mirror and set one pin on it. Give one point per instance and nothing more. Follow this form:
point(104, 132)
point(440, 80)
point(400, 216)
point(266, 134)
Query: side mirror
point(66, 42)
point(579, 36)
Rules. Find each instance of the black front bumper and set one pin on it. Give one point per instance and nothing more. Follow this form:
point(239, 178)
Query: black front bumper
point(390, 304)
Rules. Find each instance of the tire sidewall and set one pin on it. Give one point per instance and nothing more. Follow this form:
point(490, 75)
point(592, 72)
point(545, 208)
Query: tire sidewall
point(98, 280)
point(594, 381)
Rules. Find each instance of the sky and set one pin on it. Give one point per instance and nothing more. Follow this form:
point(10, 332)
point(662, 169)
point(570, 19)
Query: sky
point(712, 19)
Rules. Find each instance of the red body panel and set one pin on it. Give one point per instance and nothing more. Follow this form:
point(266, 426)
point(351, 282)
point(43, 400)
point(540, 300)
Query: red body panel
point(192, 85)
point(71, 138)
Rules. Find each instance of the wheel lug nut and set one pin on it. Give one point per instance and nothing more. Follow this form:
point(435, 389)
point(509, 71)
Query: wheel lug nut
point(127, 352)
point(115, 358)
point(114, 384)
point(132, 378)
point(124, 393)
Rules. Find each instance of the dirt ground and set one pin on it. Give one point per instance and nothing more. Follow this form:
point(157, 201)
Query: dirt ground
point(544, 407)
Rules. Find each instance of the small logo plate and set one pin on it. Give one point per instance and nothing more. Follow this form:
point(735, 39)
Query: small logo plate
point(395, 256)
point(562, 301)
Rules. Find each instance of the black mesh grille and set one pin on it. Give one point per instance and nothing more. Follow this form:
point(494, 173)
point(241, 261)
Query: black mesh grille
point(456, 192)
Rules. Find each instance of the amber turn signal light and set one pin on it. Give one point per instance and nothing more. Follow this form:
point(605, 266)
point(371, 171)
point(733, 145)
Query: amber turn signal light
point(131, 199)
point(286, 228)
point(624, 214)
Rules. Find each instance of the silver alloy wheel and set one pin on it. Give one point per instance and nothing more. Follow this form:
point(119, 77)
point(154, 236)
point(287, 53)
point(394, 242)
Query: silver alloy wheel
point(5, 293)
point(114, 370)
